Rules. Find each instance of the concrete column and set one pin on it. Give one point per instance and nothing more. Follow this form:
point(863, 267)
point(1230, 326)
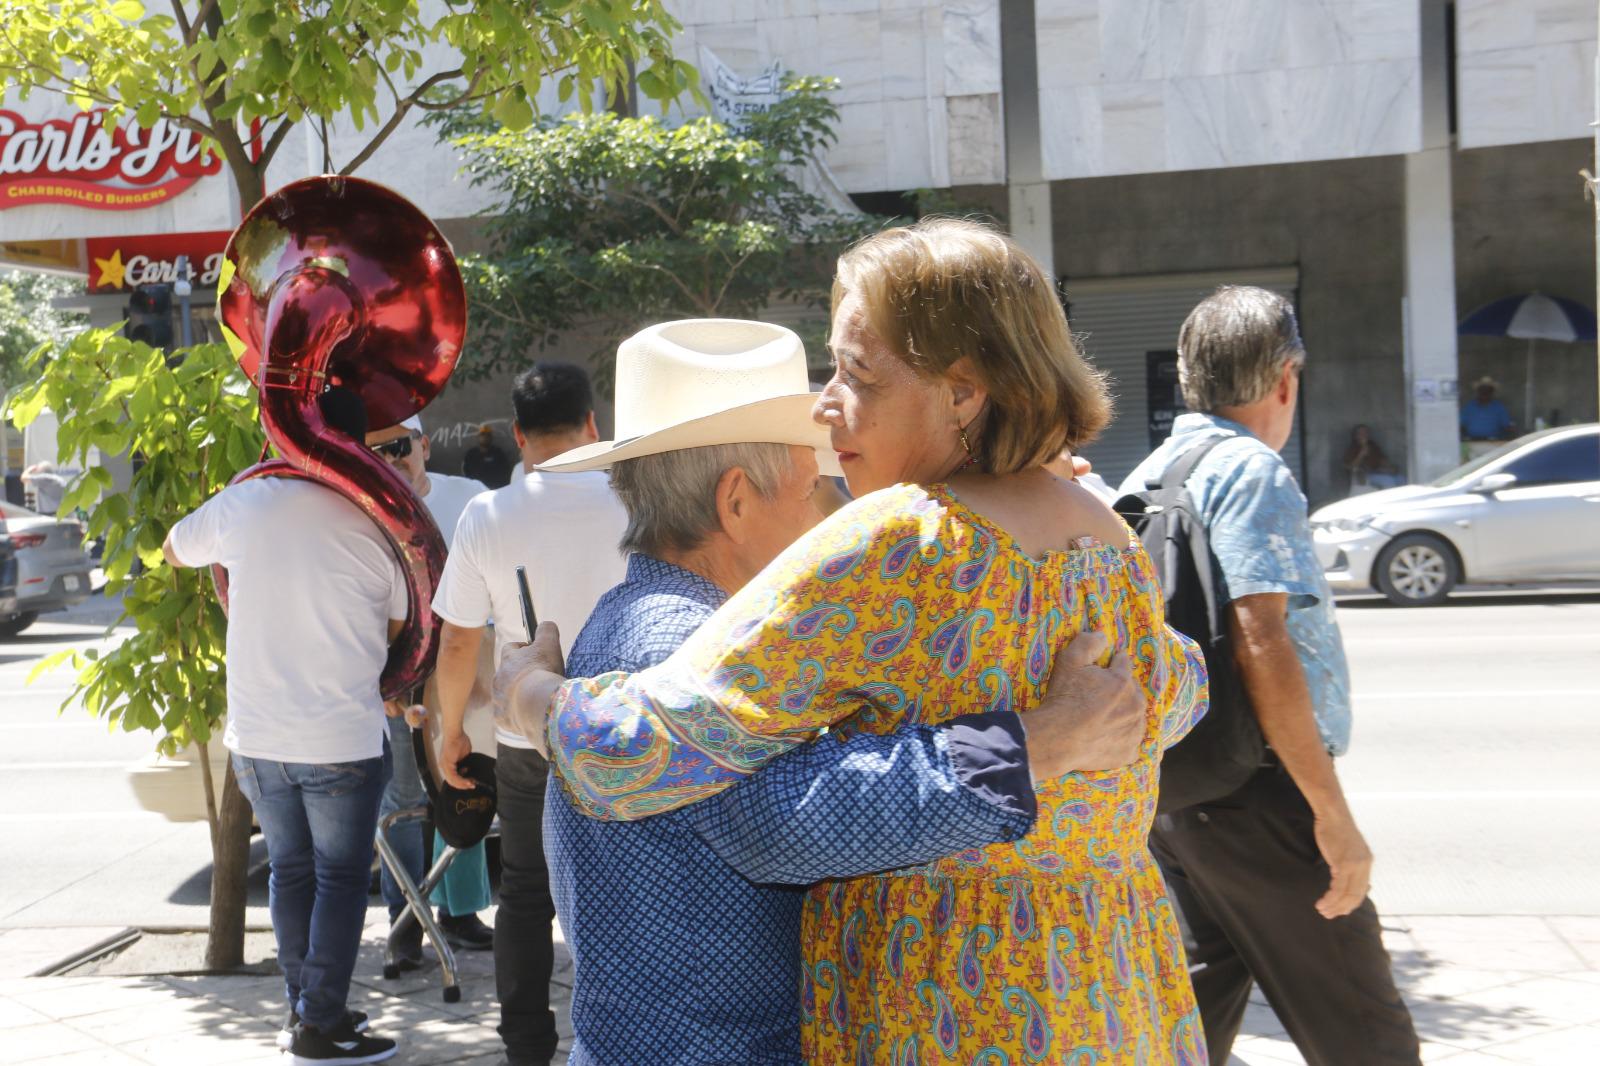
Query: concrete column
point(1027, 191)
point(1429, 313)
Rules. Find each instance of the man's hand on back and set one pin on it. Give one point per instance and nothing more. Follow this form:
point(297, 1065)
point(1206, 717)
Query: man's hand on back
point(1092, 718)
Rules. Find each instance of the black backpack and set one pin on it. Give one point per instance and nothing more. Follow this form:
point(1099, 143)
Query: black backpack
point(1225, 747)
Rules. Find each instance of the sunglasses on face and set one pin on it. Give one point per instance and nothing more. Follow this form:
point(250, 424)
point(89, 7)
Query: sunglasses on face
point(398, 448)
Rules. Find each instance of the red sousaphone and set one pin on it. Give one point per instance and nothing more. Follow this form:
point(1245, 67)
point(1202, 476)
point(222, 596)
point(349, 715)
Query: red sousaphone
point(336, 281)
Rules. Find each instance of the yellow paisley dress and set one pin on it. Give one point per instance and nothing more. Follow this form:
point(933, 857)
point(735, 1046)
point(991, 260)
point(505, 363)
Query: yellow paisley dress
point(907, 606)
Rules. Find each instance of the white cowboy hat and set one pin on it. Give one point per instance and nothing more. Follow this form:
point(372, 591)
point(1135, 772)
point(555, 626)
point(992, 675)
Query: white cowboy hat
point(704, 381)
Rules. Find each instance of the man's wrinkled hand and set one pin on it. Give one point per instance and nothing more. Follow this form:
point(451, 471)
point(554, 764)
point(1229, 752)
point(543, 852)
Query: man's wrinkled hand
point(1349, 861)
point(527, 665)
point(1092, 717)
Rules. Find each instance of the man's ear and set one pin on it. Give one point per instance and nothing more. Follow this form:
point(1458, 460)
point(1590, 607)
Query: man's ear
point(734, 503)
point(426, 446)
point(1286, 382)
point(516, 435)
point(591, 428)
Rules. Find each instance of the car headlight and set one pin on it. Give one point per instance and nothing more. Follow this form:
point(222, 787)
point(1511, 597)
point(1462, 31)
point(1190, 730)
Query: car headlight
point(1342, 525)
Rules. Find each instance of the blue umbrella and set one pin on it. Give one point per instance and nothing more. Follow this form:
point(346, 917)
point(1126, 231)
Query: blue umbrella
point(1533, 317)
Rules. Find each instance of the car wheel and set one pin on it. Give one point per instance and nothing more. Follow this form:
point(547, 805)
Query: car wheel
point(1417, 570)
point(10, 627)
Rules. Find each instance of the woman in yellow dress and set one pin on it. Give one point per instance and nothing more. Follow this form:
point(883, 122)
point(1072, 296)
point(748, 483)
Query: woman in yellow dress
point(954, 577)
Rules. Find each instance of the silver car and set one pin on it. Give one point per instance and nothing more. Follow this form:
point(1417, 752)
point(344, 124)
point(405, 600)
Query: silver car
point(1528, 511)
point(52, 568)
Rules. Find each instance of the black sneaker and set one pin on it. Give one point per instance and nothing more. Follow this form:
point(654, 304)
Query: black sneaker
point(356, 1018)
point(342, 1046)
point(466, 931)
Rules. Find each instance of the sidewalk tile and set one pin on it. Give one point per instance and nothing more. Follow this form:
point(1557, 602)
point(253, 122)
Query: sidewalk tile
point(14, 1015)
point(1548, 956)
point(1566, 1047)
point(1421, 979)
point(77, 1001)
point(1265, 1051)
point(1577, 928)
point(222, 1045)
point(35, 1043)
point(168, 1016)
point(1431, 928)
point(1471, 1025)
point(1433, 1051)
point(105, 1056)
point(1556, 1001)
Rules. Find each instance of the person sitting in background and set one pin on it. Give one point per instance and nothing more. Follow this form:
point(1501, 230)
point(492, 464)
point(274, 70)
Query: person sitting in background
point(1367, 464)
point(464, 890)
point(486, 461)
point(1485, 417)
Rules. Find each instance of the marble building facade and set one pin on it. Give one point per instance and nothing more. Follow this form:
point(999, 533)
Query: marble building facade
point(1192, 138)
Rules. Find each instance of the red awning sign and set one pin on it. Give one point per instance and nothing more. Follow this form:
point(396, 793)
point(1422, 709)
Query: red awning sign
point(74, 161)
point(118, 264)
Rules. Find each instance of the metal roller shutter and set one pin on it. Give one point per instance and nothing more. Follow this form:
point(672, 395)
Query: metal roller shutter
point(1123, 324)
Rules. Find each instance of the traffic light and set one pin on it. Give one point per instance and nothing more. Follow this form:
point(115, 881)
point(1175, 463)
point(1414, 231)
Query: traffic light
point(150, 316)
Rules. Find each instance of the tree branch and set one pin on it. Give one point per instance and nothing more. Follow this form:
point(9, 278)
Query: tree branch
point(270, 148)
point(401, 110)
point(191, 33)
point(733, 271)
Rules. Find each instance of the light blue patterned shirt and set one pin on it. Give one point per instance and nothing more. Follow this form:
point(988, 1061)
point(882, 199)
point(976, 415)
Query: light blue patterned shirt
point(1255, 516)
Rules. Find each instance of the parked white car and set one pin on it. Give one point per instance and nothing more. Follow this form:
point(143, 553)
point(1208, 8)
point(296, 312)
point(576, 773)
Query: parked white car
point(53, 569)
point(1526, 512)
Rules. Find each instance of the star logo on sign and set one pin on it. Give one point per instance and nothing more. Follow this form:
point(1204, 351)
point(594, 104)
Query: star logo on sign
point(111, 271)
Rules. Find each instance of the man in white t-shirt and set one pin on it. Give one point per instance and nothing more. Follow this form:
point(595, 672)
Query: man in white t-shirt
point(464, 889)
point(315, 596)
point(565, 529)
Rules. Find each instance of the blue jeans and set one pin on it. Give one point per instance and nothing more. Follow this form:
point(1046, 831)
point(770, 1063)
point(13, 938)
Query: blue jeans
point(318, 821)
point(464, 889)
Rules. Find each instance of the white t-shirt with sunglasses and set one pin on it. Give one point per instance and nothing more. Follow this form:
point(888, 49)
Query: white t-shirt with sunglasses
point(447, 498)
point(564, 528)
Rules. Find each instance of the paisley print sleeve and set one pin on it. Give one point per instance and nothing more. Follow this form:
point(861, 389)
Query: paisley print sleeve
point(822, 633)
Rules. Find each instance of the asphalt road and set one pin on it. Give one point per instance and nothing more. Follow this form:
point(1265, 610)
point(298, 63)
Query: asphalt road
point(1475, 773)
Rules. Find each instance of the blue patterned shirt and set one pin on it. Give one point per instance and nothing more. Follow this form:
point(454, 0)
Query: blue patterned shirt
point(685, 928)
point(1255, 517)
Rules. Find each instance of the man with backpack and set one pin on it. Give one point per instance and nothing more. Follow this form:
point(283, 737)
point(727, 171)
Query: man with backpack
point(1256, 840)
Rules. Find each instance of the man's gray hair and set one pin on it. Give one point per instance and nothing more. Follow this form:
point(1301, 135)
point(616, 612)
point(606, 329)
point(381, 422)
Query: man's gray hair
point(671, 497)
point(1233, 345)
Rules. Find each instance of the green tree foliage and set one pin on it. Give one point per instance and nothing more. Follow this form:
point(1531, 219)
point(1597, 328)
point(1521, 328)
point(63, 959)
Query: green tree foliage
point(223, 68)
point(28, 320)
point(611, 223)
point(216, 66)
point(194, 425)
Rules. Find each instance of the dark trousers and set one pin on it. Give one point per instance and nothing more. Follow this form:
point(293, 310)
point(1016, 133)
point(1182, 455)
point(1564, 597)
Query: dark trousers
point(1245, 872)
point(523, 955)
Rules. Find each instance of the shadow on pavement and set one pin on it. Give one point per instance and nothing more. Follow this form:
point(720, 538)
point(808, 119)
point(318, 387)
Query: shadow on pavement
point(196, 890)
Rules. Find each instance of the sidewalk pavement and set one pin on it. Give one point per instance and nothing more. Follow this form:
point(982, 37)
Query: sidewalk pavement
point(1488, 990)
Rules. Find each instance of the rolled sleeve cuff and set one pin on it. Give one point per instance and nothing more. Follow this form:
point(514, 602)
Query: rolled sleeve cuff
point(989, 755)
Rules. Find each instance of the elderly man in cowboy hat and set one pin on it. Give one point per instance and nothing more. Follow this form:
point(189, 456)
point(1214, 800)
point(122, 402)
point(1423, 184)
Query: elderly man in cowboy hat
point(684, 928)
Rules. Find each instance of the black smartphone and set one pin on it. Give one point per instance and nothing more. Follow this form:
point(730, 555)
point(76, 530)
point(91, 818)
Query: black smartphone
point(529, 619)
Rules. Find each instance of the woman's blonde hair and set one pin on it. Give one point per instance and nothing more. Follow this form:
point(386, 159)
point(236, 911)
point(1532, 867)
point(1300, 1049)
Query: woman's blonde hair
point(945, 289)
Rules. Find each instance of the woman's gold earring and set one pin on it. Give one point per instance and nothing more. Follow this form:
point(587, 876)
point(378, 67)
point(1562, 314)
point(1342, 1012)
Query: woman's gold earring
point(972, 460)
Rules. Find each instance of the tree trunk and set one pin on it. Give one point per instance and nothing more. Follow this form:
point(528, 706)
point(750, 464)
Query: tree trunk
point(230, 838)
point(230, 868)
